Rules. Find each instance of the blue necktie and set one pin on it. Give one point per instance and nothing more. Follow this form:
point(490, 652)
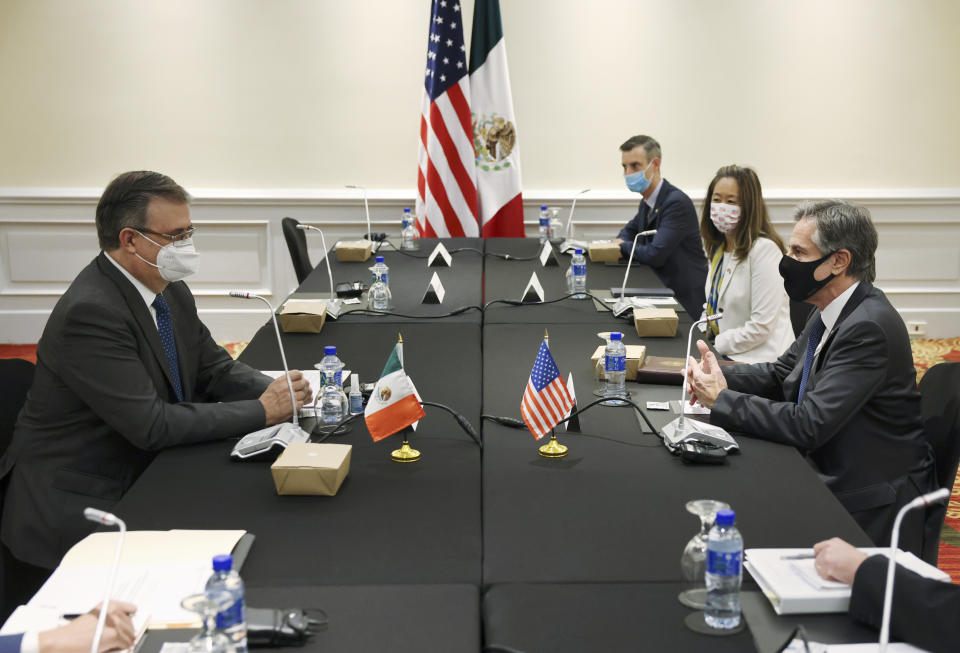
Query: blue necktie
point(816, 333)
point(165, 327)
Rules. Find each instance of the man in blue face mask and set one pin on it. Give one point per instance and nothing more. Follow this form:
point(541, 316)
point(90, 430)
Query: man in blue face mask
point(125, 368)
point(675, 252)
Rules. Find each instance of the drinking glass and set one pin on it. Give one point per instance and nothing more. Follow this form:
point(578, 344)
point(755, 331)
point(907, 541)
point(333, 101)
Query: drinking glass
point(693, 562)
point(207, 605)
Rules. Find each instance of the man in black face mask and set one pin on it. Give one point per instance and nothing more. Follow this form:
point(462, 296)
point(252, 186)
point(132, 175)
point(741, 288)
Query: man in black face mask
point(845, 393)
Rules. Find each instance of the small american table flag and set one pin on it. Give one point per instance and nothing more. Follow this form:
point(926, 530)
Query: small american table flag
point(546, 400)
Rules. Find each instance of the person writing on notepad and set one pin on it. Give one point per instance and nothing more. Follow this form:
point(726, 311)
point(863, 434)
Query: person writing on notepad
point(743, 252)
point(77, 636)
point(925, 612)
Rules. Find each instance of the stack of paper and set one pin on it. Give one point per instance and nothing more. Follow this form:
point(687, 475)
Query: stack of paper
point(157, 570)
point(789, 580)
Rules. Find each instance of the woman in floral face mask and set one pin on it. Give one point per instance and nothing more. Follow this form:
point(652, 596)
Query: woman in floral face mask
point(743, 252)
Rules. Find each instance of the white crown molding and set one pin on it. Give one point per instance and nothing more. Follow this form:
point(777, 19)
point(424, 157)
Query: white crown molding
point(325, 196)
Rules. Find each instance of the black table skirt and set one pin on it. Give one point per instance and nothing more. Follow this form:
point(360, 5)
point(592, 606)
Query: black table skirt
point(372, 619)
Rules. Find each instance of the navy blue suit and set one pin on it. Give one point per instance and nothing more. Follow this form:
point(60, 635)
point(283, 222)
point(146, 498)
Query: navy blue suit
point(10, 643)
point(675, 252)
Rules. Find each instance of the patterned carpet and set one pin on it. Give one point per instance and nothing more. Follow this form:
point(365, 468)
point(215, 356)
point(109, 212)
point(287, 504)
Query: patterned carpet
point(926, 354)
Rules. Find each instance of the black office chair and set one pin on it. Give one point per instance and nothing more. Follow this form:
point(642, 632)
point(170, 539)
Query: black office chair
point(940, 407)
point(16, 377)
point(297, 244)
point(799, 314)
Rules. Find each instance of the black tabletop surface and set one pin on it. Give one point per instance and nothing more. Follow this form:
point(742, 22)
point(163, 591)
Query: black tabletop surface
point(371, 619)
point(409, 276)
point(390, 522)
point(613, 509)
point(506, 279)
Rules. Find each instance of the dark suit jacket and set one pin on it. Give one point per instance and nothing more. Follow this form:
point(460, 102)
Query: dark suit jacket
point(102, 404)
point(924, 612)
point(10, 643)
point(675, 252)
point(859, 423)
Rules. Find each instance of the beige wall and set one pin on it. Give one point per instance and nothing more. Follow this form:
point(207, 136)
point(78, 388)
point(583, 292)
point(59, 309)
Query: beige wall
point(818, 94)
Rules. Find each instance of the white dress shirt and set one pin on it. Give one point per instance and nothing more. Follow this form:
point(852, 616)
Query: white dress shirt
point(831, 314)
point(652, 200)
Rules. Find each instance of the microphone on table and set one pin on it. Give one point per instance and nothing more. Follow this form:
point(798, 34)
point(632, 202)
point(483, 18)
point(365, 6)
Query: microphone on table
point(366, 207)
point(286, 431)
point(623, 304)
point(568, 242)
point(334, 305)
point(925, 500)
point(106, 519)
point(681, 429)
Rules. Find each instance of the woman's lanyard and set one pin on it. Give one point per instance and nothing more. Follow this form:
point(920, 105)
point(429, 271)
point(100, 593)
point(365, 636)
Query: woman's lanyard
point(716, 275)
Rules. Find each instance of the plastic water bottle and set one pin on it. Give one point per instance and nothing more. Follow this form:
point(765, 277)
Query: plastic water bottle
point(724, 572)
point(381, 272)
point(544, 232)
point(556, 227)
point(378, 297)
point(233, 620)
point(578, 269)
point(409, 238)
point(615, 369)
point(332, 400)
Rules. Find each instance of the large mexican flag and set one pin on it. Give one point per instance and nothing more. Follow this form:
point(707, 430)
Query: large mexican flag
point(494, 126)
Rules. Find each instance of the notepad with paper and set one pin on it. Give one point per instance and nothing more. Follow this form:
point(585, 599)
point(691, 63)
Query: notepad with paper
point(790, 582)
point(157, 570)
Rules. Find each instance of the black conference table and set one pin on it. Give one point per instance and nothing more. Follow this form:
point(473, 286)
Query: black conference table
point(579, 553)
point(409, 276)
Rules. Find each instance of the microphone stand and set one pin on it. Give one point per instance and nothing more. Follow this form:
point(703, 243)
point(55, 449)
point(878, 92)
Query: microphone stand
point(926, 499)
point(334, 305)
point(286, 431)
point(680, 429)
point(106, 519)
point(568, 242)
point(623, 304)
point(366, 208)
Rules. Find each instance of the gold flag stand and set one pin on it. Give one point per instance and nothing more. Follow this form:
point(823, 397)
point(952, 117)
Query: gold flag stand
point(553, 449)
point(405, 454)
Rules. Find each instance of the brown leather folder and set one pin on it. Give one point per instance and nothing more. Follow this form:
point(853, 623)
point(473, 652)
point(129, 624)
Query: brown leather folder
point(666, 370)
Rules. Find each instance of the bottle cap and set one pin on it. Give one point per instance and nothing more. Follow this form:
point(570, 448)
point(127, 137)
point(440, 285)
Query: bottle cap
point(330, 350)
point(406, 209)
point(725, 518)
point(616, 335)
point(578, 251)
point(379, 259)
point(543, 207)
point(223, 562)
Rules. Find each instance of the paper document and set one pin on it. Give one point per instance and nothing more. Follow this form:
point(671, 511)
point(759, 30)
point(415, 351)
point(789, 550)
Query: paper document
point(156, 589)
point(792, 585)
point(150, 547)
point(798, 646)
point(26, 618)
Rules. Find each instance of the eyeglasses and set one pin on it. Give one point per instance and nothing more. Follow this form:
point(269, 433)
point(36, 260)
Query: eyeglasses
point(174, 238)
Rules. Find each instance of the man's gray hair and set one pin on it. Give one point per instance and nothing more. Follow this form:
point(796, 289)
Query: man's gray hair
point(842, 225)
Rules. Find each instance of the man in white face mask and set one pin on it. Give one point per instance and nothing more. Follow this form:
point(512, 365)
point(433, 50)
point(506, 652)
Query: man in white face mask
point(124, 368)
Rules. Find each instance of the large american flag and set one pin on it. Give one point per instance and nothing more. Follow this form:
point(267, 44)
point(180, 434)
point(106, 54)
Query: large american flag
point(546, 400)
point(447, 178)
